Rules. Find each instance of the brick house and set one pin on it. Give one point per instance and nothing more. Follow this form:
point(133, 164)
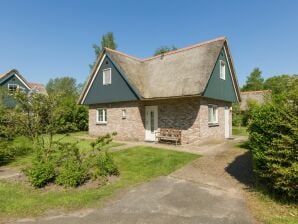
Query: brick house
point(191, 89)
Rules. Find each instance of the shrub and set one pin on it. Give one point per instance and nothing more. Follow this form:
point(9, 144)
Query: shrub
point(106, 165)
point(101, 162)
point(72, 174)
point(41, 173)
point(273, 138)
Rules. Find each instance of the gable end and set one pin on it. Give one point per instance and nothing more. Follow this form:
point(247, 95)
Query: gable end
point(222, 89)
point(119, 90)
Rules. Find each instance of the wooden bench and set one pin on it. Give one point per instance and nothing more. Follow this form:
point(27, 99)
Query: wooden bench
point(169, 135)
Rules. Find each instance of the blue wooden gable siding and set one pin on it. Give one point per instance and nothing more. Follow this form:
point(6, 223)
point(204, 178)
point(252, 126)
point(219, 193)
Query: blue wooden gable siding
point(218, 88)
point(118, 91)
point(12, 79)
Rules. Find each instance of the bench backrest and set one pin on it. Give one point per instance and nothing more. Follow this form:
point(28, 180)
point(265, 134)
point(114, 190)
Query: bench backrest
point(170, 132)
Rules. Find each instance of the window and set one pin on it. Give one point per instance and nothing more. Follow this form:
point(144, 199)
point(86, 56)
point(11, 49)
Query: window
point(212, 114)
point(101, 116)
point(222, 69)
point(107, 76)
point(12, 88)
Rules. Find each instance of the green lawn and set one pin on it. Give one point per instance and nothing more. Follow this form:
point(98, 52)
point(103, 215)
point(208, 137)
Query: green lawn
point(83, 145)
point(239, 131)
point(137, 165)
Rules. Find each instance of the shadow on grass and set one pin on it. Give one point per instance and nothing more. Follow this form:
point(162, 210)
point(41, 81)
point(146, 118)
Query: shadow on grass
point(241, 169)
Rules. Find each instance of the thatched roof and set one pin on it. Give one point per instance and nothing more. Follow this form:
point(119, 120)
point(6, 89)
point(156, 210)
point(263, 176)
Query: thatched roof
point(183, 72)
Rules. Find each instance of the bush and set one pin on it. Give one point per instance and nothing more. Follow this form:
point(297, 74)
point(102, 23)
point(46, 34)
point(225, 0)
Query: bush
point(41, 173)
point(273, 139)
point(106, 165)
point(72, 174)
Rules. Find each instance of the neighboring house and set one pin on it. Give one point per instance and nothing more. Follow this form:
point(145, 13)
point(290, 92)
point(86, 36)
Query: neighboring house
point(257, 96)
point(191, 89)
point(14, 81)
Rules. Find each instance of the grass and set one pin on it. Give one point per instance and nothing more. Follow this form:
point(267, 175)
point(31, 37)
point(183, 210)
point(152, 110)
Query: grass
point(270, 211)
point(82, 143)
point(137, 165)
point(241, 131)
point(266, 209)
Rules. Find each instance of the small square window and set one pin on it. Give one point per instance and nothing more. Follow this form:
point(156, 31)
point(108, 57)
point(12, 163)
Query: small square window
point(222, 70)
point(107, 76)
point(12, 88)
point(101, 116)
point(212, 114)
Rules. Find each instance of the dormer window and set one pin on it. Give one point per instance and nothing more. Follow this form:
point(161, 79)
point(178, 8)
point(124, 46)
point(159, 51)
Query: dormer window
point(107, 76)
point(222, 69)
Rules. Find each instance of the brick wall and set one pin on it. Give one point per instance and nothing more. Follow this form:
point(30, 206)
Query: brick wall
point(180, 113)
point(215, 132)
point(189, 114)
point(130, 128)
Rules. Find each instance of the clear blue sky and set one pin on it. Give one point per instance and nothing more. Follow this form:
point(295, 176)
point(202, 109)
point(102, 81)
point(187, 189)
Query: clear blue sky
point(48, 39)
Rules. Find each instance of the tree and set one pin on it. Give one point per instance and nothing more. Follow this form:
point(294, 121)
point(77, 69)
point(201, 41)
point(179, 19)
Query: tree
point(164, 49)
point(280, 84)
point(254, 81)
point(66, 86)
point(108, 41)
point(66, 91)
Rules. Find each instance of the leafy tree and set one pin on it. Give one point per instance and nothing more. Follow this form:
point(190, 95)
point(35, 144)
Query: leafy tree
point(254, 81)
point(280, 84)
point(108, 41)
point(75, 117)
point(164, 49)
point(66, 86)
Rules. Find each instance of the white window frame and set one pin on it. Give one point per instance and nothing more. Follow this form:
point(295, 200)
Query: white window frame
point(104, 81)
point(12, 84)
point(104, 119)
point(222, 69)
point(214, 115)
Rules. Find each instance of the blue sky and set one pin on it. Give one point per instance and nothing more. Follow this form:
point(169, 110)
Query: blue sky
point(48, 39)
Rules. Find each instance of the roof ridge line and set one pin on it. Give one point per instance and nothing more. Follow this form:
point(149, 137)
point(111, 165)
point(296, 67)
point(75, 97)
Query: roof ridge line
point(124, 54)
point(186, 48)
point(168, 53)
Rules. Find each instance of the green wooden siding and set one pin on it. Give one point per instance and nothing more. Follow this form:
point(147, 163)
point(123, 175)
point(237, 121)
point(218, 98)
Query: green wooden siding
point(118, 91)
point(218, 88)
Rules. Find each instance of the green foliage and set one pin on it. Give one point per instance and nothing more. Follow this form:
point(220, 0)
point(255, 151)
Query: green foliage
point(100, 160)
point(66, 91)
point(106, 165)
point(65, 86)
point(254, 81)
point(41, 173)
point(273, 138)
point(72, 174)
point(164, 49)
point(107, 40)
point(281, 84)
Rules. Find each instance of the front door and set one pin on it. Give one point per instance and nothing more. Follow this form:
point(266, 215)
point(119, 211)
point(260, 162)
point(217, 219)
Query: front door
point(227, 122)
point(151, 119)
